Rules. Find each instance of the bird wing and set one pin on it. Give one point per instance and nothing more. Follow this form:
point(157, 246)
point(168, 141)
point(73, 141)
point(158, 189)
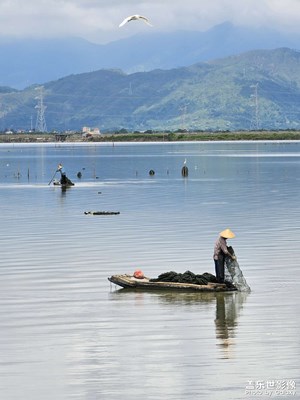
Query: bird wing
point(135, 17)
point(145, 20)
point(125, 21)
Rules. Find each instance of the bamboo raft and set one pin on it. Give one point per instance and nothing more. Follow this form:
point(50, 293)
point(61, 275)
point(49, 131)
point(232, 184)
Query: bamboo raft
point(63, 185)
point(130, 282)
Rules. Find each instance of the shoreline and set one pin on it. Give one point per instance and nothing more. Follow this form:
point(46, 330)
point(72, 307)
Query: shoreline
point(152, 137)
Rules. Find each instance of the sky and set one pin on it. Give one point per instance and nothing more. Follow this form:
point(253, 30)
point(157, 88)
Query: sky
point(98, 20)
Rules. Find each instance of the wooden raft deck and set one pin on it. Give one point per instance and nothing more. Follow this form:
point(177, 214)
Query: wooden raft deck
point(129, 281)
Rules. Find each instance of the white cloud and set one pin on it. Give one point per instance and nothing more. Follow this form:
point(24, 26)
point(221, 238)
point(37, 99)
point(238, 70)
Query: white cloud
point(98, 20)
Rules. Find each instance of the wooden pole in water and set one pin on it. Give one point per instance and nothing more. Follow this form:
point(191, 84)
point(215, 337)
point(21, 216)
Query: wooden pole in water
point(52, 178)
point(184, 171)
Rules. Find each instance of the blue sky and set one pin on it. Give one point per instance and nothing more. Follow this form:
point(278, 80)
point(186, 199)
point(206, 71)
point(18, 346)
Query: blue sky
point(98, 20)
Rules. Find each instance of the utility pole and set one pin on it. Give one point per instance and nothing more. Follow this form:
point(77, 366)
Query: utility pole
point(255, 122)
point(40, 125)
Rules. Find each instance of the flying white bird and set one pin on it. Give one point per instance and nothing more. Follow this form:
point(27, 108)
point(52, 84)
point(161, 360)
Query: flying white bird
point(133, 18)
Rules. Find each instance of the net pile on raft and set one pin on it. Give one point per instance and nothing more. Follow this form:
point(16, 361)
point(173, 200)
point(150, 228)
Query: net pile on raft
point(188, 277)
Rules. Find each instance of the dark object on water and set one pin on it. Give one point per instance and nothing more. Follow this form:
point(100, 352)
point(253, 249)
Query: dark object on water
point(184, 171)
point(102, 212)
point(79, 174)
point(151, 172)
point(130, 282)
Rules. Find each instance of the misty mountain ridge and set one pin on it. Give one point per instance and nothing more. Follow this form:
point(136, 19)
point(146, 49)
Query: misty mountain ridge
point(259, 89)
point(35, 61)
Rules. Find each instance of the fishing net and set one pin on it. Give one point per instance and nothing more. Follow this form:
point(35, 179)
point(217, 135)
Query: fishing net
point(234, 275)
point(186, 277)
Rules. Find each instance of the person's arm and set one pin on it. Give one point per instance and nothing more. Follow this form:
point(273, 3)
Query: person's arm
point(223, 246)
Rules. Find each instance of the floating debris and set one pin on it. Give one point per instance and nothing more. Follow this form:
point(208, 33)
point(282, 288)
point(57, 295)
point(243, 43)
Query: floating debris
point(102, 212)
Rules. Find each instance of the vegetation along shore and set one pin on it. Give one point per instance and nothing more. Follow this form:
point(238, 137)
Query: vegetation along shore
point(151, 137)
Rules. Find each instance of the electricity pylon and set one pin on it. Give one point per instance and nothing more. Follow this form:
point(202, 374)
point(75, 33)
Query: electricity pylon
point(40, 125)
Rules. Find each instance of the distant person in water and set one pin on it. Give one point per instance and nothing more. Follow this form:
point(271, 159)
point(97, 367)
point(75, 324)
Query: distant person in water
point(64, 180)
point(220, 252)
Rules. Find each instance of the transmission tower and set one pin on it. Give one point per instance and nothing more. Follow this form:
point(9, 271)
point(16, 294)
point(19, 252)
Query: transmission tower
point(255, 122)
point(40, 125)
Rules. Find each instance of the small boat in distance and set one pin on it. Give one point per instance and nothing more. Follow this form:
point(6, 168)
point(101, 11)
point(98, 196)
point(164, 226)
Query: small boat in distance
point(63, 185)
point(64, 181)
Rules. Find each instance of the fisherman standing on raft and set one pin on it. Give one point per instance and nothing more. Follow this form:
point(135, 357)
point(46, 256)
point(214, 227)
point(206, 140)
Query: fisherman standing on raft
point(64, 180)
point(220, 252)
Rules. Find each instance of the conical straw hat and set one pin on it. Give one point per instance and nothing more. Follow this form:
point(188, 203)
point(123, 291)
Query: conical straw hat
point(227, 234)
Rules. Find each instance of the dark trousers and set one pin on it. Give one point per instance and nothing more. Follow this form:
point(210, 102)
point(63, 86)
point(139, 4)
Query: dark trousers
point(219, 267)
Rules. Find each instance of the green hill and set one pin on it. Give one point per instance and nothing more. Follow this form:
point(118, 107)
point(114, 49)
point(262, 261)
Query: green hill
point(255, 90)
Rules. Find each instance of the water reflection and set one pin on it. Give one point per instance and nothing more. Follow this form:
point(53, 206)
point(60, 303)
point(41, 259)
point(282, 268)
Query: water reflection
point(173, 297)
point(228, 309)
point(64, 190)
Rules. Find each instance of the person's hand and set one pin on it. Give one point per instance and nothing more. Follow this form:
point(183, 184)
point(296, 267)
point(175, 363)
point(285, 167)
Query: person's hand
point(233, 258)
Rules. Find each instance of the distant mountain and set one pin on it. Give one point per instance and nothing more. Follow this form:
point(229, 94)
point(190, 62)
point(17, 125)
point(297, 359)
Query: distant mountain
point(253, 90)
point(27, 62)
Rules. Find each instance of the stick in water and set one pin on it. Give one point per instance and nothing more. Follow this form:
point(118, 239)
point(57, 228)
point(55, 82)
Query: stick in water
point(52, 178)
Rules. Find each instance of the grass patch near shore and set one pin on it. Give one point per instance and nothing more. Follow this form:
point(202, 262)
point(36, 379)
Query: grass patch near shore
point(153, 137)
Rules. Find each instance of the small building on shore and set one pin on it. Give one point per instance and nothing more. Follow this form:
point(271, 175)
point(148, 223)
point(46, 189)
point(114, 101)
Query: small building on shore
point(88, 132)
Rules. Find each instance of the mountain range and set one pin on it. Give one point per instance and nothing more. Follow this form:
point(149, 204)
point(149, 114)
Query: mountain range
point(259, 89)
point(25, 62)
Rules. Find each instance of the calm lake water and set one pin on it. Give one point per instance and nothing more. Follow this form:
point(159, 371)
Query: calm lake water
point(67, 333)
